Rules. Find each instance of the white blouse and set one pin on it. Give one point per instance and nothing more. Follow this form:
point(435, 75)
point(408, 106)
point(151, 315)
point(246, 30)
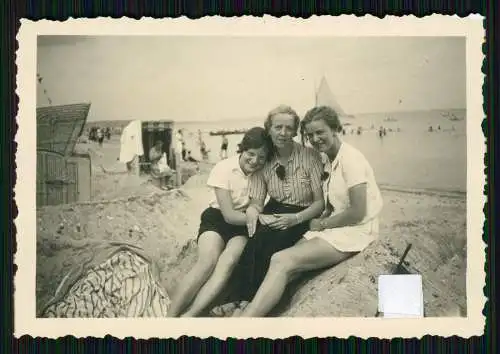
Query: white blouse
point(349, 169)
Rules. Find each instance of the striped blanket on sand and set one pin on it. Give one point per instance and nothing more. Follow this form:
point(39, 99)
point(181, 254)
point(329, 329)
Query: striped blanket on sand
point(117, 281)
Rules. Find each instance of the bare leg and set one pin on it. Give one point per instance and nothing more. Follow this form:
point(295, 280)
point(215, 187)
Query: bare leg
point(225, 266)
point(303, 256)
point(210, 246)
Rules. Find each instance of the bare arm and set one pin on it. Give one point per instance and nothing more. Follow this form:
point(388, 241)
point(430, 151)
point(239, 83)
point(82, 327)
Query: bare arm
point(231, 216)
point(315, 171)
point(315, 209)
point(352, 215)
point(258, 191)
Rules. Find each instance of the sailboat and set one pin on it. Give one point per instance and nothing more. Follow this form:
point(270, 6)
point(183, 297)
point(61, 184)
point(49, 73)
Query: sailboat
point(325, 97)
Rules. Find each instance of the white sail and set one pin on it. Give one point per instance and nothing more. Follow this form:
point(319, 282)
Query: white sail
point(325, 97)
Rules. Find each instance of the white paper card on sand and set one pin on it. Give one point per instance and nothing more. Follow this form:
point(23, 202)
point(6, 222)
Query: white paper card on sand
point(400, 295)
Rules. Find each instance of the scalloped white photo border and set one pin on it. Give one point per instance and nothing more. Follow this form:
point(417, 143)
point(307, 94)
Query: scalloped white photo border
point(25, 321)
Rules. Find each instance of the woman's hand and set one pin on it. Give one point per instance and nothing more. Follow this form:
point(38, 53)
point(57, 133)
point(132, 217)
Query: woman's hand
point(283, 221)
point(266, 219)
point(252, 218)
point(327, 212)
point(316, 225)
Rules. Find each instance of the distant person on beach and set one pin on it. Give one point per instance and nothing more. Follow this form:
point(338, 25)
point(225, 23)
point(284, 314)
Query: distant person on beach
point(223, 147)
point(184, 151)
point(179, 140)
point(92, 134)
point(348, 224)
point(203, 151)
point(100, 136)
point(292, 180)
point(159, 166)
point(224, 229)
point(190, 158)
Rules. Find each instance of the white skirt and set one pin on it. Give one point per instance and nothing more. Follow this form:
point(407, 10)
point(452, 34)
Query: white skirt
point(348, 238)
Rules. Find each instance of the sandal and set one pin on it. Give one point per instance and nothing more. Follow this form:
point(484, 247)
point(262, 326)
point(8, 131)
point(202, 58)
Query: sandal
point(225, 310)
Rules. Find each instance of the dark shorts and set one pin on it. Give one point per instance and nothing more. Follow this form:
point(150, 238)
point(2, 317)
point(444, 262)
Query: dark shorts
point(223, 147)
point(212, 220)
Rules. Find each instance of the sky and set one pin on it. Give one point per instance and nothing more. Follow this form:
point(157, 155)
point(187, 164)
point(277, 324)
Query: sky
point(216, 78)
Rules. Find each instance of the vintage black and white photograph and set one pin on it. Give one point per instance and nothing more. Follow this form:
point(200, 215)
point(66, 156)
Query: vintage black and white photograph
point(251, 176)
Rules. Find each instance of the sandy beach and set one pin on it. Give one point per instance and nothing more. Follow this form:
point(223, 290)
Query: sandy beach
point(131, 209)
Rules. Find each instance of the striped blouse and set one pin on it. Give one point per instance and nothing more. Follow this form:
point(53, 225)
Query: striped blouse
point(302, 176)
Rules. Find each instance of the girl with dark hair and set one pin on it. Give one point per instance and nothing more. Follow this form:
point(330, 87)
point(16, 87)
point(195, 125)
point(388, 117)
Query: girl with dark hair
point(224, 227)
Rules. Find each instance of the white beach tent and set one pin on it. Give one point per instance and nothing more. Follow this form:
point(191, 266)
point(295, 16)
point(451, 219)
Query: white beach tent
point(131, 142)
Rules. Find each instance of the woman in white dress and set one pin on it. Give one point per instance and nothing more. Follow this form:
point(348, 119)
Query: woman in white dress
point(349, 223)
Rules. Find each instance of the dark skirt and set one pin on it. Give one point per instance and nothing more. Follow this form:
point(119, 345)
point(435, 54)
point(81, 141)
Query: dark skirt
point(213, 220)
point(256, 257)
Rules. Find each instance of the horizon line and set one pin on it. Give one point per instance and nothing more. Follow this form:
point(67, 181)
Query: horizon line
point(252, 118)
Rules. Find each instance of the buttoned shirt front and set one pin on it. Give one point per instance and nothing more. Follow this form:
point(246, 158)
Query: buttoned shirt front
point(302, 178)
point(350, 168)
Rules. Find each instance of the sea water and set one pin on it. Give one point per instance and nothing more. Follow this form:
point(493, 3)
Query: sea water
point(408, 156)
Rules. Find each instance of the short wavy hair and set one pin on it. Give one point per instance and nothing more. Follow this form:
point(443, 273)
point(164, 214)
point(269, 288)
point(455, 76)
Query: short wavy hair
point(256, 138)
point(282, 109)
point(326, 114)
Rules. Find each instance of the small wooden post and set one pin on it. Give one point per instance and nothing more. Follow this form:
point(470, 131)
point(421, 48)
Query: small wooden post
point(136, 165)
